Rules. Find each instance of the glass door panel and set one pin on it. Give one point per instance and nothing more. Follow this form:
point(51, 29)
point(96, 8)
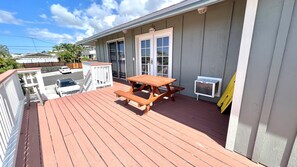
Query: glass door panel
point(162, 56)
point(112, 49)
point(122, 60)
point(145, 55)
point(116, 52)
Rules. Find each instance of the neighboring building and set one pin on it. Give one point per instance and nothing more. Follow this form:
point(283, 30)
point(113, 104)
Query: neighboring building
point(254, 38)
point(36, 58)
point(90, 52)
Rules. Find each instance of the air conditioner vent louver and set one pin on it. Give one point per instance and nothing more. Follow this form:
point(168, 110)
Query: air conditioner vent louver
point(207, 86)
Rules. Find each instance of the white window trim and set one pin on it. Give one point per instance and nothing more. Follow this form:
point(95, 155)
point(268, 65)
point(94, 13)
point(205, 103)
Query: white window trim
point(107, 52)
point(153, 36)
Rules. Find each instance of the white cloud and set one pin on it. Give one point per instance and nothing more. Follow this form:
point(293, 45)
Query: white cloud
point(51, 36)
point(44, 16)
point(98, 17)
point(65, 18)
point(8, 18)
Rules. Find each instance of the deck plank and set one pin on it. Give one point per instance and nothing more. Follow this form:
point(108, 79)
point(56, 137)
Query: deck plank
point(133, 139)
point(61, 152)
point(75, 152)
point(154, 130)
point(97, 129)
point(100, 149)
point(205, 143)
point(171, 156)
point(65, 129)
point(48, 155)
point(116, 148)
point(33, 155)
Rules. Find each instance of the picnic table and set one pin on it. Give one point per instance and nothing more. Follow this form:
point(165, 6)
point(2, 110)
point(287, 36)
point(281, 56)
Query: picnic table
point(153, 84)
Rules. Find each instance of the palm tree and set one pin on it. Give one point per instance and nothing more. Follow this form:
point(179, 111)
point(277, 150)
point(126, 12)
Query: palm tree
point(73, 49)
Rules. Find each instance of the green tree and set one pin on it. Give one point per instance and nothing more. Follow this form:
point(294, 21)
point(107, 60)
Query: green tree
point(4, 51)
point(6, 60)
point(64, 49)
point(66, 56)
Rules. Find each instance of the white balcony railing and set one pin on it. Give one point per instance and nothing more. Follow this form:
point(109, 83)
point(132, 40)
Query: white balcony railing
point(33, 76)
point(11, 113)
point(97, 75)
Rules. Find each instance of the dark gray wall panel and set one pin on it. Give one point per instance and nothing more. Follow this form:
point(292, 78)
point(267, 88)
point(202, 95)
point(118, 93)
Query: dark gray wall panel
point(137, 31)
point(129, 38)
point(216, 37)
point(160, 25)
point(145, 28)
point(263, 43)
point(97, 45)
point(176, 23)
point(234, 41)
point(193, 27)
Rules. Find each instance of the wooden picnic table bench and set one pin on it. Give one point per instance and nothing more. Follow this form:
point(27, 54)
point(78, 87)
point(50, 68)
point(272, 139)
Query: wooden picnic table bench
point(153, 83)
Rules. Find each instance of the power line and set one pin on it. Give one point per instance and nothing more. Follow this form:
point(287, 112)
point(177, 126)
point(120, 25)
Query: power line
point(34, 44)
point(31, 37)
point(27, 46)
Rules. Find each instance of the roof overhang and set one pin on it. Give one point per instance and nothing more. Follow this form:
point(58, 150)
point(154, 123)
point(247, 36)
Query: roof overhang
point(174, 10)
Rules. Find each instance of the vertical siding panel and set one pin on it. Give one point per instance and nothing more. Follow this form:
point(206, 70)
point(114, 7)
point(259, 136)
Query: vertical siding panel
point(145, 28)
point(103, 54)
point(191, 50)
point(264, 37)
point(293, 156)
point(97, 46)
point(276, 135)
point(129, 53)
point(234, 41)
point(160, 25)
point(216, 37)
point(176, 23)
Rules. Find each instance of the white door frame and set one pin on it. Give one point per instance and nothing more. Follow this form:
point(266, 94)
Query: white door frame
point(153, 37)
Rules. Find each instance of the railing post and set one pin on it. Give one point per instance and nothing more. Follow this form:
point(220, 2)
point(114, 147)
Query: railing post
point(110, 75)
point(40, 82)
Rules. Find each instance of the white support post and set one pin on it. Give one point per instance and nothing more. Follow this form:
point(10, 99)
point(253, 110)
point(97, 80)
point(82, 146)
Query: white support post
point(40, 82)
point(244, 53)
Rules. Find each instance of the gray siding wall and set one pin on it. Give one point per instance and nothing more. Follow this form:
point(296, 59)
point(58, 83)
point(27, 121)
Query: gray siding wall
point(206, 44)
point(268, 119)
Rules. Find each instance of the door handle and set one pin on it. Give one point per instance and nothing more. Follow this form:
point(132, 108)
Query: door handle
point(152, 61)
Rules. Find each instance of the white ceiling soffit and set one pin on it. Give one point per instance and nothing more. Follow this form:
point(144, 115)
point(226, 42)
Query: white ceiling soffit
point(182, 7)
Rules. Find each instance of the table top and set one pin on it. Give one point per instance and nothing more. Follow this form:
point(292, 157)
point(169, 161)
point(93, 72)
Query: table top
point(151, 80)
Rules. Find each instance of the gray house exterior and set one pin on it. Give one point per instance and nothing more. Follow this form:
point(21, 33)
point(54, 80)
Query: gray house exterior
point(254, 38)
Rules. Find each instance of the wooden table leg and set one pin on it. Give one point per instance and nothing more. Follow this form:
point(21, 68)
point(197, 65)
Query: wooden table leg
point(132, 87)
point(147, 108)
point(171, 95)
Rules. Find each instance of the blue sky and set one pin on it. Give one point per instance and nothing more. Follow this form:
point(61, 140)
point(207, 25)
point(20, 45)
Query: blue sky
point(29, 26)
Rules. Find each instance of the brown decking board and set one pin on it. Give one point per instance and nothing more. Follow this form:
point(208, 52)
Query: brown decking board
point(97, 129)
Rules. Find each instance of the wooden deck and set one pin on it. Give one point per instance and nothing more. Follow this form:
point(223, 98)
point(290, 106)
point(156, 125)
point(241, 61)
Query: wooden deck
point(97, 129)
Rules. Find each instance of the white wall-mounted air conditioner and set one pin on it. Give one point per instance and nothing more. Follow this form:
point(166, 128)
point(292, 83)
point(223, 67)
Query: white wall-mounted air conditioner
point(207, 86)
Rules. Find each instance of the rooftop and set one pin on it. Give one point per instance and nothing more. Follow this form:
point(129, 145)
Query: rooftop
point(97, 129)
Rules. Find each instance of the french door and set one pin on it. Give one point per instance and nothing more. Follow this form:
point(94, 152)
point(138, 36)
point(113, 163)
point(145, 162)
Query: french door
point(155, 53)
point(116, 53)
